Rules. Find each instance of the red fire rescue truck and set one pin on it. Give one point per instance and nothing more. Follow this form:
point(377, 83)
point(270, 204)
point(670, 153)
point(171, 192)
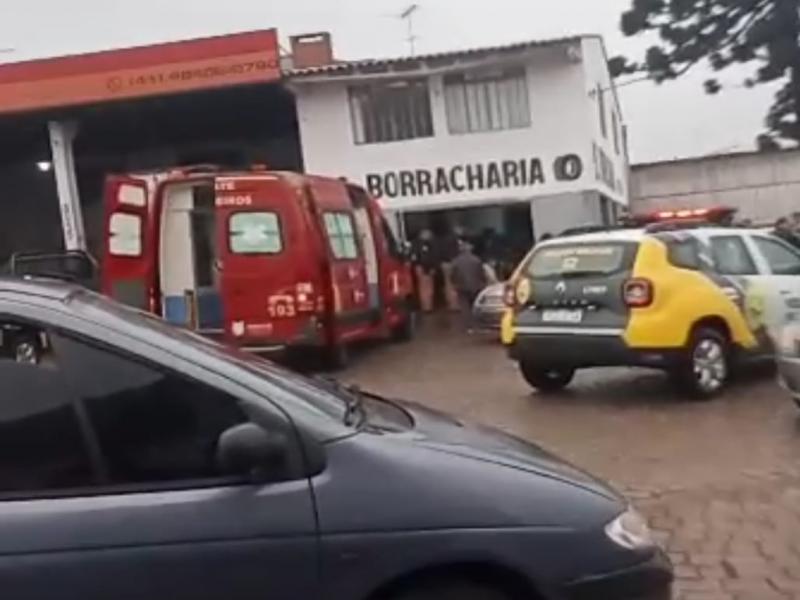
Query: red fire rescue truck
point(264, 260)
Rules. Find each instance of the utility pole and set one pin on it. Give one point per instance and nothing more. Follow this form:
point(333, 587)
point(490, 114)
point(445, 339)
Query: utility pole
point(408, 16)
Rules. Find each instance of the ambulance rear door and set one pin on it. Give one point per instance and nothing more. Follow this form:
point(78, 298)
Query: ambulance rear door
point(268, 273)
point(129, 264)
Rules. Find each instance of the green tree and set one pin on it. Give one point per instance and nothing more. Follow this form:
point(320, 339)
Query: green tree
point(724, 32)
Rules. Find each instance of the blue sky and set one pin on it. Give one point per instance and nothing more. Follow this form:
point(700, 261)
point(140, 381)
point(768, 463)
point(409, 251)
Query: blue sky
point(673, 120)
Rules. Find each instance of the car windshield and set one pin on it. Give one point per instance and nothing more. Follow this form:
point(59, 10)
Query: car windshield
point(327, 399)
point(564, 260)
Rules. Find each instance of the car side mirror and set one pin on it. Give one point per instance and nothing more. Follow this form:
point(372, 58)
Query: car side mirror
point(251, 450)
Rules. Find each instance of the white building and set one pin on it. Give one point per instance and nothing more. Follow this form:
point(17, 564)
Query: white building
point(761, 185)
point(522, 138)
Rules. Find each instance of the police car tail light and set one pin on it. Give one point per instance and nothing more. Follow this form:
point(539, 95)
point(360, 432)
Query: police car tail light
point(638, 293)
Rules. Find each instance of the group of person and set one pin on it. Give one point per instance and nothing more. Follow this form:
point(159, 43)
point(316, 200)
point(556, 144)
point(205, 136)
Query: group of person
point(448, 265)
point(451, 269)
point(788, 229)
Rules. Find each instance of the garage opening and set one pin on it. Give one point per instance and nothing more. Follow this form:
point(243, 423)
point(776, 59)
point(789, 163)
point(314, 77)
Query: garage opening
point(501, 234)
point(233, 128)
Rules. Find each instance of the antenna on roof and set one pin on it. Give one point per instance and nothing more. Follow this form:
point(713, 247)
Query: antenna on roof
point(408, 16)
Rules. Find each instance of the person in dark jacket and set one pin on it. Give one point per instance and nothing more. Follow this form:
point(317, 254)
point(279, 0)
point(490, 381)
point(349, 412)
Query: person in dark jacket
point(469, 278)
point(426, 266)
point(783, 230)
point(449, 246)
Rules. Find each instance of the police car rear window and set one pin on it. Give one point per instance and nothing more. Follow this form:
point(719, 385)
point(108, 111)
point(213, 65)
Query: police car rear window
point(581, 260)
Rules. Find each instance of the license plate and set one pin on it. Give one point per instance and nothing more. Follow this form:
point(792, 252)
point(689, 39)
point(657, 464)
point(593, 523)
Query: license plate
point(562, 316)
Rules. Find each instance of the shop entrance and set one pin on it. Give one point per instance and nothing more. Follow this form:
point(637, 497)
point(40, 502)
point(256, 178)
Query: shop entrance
point(500, 234)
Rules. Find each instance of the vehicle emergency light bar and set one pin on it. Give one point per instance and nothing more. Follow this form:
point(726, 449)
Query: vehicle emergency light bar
point(716, 215)
point(208, 169)
point(683, 214)
point(188, 170)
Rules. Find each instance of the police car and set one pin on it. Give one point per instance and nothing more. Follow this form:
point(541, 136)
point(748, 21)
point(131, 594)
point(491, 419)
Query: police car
point(682, 295)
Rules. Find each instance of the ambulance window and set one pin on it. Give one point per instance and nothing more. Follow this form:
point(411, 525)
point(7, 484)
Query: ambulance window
point(125, 235)
point(341, 235)
point(731, 256)
point(781, 260)
point(255, 233)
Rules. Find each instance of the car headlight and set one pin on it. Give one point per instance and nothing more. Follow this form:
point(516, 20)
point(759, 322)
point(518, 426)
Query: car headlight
point(630, 530)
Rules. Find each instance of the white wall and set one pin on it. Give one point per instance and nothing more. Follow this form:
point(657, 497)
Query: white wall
point(554, 214)
point(561, 125)
point(762, 186)
point(595, 63)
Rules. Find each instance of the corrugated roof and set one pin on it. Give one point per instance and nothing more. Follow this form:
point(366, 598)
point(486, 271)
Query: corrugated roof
point(378, 65)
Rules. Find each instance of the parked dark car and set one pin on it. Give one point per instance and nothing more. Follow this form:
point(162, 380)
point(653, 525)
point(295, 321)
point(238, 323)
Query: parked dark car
point(138, 460)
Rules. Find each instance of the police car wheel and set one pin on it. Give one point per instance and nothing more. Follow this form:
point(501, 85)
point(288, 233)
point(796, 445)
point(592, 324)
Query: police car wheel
point(706, 368)
point(547, 379)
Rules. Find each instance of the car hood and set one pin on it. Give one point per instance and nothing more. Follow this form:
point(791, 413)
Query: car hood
point(443, 433)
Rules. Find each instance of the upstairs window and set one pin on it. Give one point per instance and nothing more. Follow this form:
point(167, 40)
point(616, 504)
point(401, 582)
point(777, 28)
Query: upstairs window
point(487, 101)
point(391, 112)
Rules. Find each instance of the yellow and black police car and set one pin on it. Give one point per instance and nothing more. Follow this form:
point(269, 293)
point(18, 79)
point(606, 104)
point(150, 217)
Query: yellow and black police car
point(684, 296)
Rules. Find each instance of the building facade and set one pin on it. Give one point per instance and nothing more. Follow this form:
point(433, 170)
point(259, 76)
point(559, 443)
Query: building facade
point(525, 139)
point(763, 186)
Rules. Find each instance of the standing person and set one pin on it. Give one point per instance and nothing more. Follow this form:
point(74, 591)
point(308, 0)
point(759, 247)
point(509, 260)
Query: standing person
point(449, 249)
point(426, 264)
point(783, 230)
point(469, 278)
point(796, 224)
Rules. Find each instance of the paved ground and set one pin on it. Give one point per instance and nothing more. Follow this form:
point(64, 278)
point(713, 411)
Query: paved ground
point(720, 481)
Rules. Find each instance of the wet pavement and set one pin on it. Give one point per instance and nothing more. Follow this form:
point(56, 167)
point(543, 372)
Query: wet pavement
point(719, 480)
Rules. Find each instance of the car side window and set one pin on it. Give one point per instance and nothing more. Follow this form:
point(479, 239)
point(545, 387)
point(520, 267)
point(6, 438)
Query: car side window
point(781, 259)
point(731, 256)
point(42, 442)
point(683, 252)
point(152, 426)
